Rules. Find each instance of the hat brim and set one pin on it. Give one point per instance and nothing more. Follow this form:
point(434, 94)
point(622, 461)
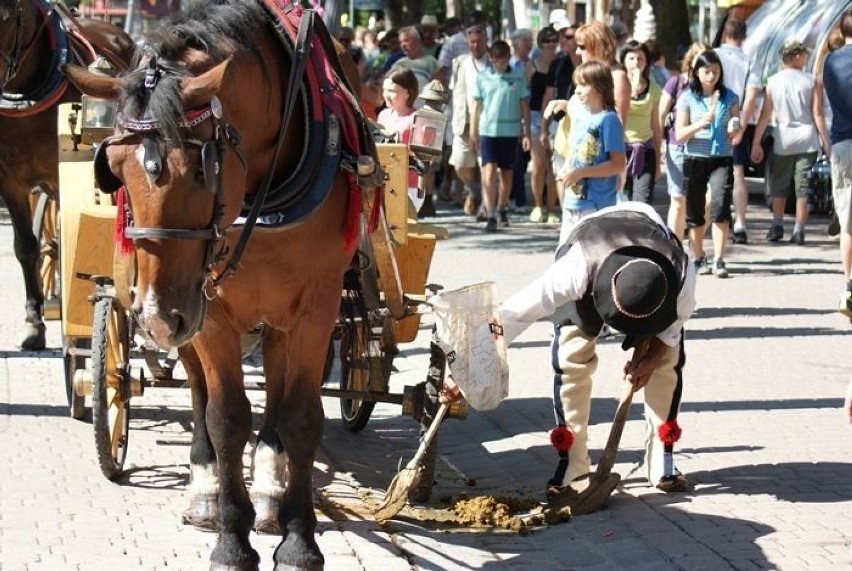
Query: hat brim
point(649, 326)
point(560, 25)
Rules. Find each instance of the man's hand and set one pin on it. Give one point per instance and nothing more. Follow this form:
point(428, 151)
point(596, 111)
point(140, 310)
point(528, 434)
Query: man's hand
point(643, 363)
point(450, 392)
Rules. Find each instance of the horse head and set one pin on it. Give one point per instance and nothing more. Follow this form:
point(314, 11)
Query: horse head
point(193, 135)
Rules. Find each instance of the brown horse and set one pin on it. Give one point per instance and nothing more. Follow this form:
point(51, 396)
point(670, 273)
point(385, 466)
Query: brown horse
point(200, 123)
point(32, 46)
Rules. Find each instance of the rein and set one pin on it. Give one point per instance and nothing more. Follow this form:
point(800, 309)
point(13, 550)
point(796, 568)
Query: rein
point(11, 58)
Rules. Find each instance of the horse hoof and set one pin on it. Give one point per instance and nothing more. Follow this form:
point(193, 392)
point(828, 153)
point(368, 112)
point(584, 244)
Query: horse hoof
point(34, 339)
point(202, 513)
point(266, 514)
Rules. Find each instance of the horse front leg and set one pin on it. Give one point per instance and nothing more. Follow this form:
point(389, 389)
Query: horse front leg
point(203, 510)
point(228, 419)
point(269, 477)
point(27, 252)
point(299, 427)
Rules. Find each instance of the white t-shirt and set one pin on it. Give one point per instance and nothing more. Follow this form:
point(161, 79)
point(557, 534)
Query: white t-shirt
point(735, 67)
point(792, 93)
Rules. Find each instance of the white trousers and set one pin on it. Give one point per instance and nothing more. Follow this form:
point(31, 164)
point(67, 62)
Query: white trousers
point(575, 363)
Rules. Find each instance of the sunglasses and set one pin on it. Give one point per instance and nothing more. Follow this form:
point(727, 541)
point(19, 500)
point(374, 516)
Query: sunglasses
point(549, 41)
point(568, 36)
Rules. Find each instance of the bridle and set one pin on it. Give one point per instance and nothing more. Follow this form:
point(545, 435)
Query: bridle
point(212, 151)
point(225, 136)
point(12, 57)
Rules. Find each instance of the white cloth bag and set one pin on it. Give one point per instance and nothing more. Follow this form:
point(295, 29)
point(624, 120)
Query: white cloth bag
point(476, 360)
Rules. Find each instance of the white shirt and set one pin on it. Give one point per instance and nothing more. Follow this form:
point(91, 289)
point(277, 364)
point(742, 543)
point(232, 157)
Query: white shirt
point(568, 279)
point(738, 71)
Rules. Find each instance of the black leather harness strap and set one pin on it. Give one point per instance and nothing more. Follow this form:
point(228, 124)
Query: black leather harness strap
point(297, 72)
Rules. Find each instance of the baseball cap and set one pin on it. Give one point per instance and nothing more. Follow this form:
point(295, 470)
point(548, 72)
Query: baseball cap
point(791, 47)
point(429, 20)
point(559, 20)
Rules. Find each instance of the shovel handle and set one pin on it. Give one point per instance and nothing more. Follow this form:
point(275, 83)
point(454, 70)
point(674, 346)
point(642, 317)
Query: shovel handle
point(430, 434)
point(607, 459)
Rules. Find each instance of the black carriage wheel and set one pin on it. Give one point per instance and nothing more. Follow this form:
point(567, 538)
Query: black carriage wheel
point(46, 232)
point(355, 366)
point(110, 394)
point(73, 363)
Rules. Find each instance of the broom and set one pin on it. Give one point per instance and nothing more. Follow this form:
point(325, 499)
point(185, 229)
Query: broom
point(407, 478)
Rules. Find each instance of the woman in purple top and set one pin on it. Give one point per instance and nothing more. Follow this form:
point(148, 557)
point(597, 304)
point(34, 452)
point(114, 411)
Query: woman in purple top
point(674, 150)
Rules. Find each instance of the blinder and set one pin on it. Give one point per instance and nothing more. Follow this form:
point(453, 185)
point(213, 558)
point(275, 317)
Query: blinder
point(107, 181)
point(211, 165)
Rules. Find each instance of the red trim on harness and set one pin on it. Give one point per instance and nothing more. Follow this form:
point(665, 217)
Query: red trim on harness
point(123, 244)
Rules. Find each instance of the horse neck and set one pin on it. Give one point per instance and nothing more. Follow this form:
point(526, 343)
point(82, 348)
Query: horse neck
point(262, 155)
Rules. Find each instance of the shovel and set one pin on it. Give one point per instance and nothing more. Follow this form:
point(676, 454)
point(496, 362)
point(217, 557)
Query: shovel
point(601, 482)
point(408, 477)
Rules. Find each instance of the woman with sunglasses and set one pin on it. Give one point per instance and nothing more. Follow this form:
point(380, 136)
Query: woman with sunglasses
point(596, 42)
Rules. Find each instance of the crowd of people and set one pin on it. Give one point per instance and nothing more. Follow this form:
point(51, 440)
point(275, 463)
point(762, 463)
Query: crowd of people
point(597, 117)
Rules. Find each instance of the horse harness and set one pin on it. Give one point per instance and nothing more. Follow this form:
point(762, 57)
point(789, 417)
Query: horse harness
point(212, 150)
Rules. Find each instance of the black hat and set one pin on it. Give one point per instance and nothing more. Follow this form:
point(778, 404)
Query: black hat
point(635, 292)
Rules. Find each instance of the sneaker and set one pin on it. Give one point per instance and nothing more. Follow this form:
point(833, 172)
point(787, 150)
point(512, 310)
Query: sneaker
point(740, 237)
point(504, 217)
point(702, 267)
point(537, 215)
point(719, 269)
point(775, 233)
point(553, 218)
point(491, 225)
point(798, 238)
point(846, 303)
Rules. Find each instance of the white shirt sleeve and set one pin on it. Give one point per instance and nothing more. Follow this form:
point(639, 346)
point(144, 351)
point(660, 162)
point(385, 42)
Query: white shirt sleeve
point(567, 279)
point(685, 307)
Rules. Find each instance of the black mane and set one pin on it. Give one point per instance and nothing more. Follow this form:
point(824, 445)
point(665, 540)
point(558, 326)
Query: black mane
point(217, 27)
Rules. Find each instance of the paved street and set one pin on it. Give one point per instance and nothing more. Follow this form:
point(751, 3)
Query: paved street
point(765, 445)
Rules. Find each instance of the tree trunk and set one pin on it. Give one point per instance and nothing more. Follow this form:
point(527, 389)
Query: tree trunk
point(672, 29)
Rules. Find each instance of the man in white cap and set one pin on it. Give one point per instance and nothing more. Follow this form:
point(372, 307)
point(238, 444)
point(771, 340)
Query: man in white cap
point(429, 35)
point(622, 267)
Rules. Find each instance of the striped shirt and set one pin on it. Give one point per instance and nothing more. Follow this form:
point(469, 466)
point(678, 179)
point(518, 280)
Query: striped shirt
point(711, 141)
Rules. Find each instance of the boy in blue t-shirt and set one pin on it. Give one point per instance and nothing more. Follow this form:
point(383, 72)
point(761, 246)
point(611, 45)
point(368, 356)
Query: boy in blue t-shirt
point(500, 115)
point(596, 146)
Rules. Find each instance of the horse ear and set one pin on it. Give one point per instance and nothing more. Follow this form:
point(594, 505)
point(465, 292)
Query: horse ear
point(93, 84)
point(197, 91)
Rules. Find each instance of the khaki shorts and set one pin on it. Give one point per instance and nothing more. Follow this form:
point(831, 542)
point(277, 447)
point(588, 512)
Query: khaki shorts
point(462, 155)
point(788, 172)
point(841, 183)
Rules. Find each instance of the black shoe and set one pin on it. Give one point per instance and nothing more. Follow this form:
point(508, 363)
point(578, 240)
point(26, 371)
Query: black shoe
point(491, 225)
point(504, 217)
point(798, 238)
point(740, 237)
point(775, 233)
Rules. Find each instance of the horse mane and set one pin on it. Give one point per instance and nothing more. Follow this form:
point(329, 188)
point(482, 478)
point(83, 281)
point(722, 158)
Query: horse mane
point(218, 28)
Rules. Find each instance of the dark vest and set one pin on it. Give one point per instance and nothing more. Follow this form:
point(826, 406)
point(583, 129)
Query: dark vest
point(599, 237)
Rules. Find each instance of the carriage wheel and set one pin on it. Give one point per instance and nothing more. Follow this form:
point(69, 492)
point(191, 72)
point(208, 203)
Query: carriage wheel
point(110, 384)
point(73, 363)
point(355, 366)
point(46, 232)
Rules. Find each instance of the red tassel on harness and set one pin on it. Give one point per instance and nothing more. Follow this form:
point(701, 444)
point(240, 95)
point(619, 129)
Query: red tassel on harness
point(669, 432)
point(122, 242)
point(561, 438)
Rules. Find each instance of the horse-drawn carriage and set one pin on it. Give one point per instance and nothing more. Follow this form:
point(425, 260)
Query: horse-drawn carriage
point(239, 195)
point(107, 354)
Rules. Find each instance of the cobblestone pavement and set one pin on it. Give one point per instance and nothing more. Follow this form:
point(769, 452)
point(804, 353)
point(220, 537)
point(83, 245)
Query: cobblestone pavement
point(765, 445)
